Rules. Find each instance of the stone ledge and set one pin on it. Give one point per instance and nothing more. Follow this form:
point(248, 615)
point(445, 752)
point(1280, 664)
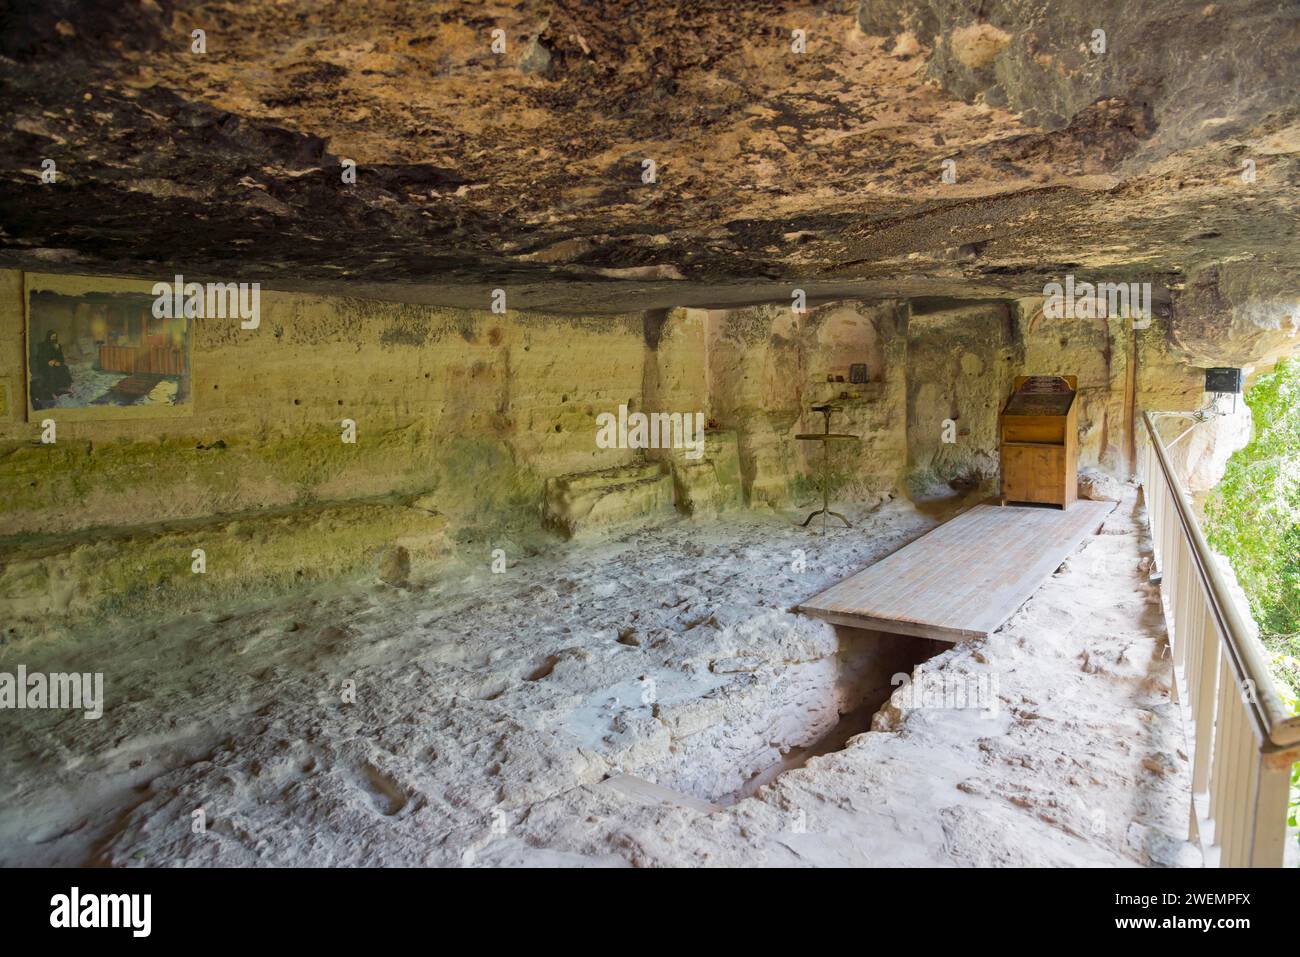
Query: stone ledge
point(709, 485)
point(588, 503)
point(151, 570)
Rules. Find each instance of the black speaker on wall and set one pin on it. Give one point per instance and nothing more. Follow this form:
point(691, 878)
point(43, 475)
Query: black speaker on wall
point(1223, 380)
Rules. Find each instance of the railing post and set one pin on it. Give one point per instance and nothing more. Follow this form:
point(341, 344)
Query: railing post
point(1218, 769)
point(1206, 680)
point(1272, 791)
point(1238, 780)
point(1243, 739)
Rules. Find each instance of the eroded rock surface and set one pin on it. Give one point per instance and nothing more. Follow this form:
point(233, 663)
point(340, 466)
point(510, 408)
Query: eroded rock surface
point(479, 169)
point(494, 720)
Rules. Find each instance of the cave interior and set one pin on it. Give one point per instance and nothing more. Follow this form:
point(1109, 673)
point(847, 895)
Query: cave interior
point(409, 410)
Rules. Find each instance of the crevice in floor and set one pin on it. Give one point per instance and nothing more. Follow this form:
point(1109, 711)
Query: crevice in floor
point(868, 664)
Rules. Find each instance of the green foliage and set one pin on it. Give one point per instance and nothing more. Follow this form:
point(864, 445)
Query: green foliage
point(1294, 808)
point(1253, 516)
point(1293, 800)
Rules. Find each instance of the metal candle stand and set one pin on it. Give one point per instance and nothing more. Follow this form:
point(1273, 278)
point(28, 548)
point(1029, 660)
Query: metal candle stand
point(825, 437)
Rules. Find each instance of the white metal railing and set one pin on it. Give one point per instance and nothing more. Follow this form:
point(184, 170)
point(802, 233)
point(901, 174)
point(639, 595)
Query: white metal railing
point(1242, 737)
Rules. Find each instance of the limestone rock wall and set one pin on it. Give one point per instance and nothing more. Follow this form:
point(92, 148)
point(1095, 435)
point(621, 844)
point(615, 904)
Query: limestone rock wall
point(472, 408)
point(1099, 352)
point(768, 366)
point(960, 364)
point(676, 373)
point(1238, 314)
point(473, 412)
point(926, 363)
point(476, 429)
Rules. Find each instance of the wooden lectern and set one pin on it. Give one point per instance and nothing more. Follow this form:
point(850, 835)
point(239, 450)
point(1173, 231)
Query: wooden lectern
point(1040, 441)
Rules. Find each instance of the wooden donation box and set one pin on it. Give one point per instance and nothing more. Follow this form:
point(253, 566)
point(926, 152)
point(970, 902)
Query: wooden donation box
point(1040, 441)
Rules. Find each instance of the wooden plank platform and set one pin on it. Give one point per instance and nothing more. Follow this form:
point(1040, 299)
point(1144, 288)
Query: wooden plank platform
point(965, 578)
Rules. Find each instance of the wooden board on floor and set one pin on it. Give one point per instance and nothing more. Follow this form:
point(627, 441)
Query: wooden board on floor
point(965, 578)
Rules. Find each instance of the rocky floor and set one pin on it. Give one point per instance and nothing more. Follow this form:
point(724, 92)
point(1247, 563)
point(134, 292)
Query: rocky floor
point(491, 719)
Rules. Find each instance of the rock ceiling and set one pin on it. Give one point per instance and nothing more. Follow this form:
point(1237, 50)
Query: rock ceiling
point(772, 168)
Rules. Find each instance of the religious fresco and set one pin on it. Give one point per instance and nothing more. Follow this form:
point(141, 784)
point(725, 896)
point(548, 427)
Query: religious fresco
point(105, 351)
